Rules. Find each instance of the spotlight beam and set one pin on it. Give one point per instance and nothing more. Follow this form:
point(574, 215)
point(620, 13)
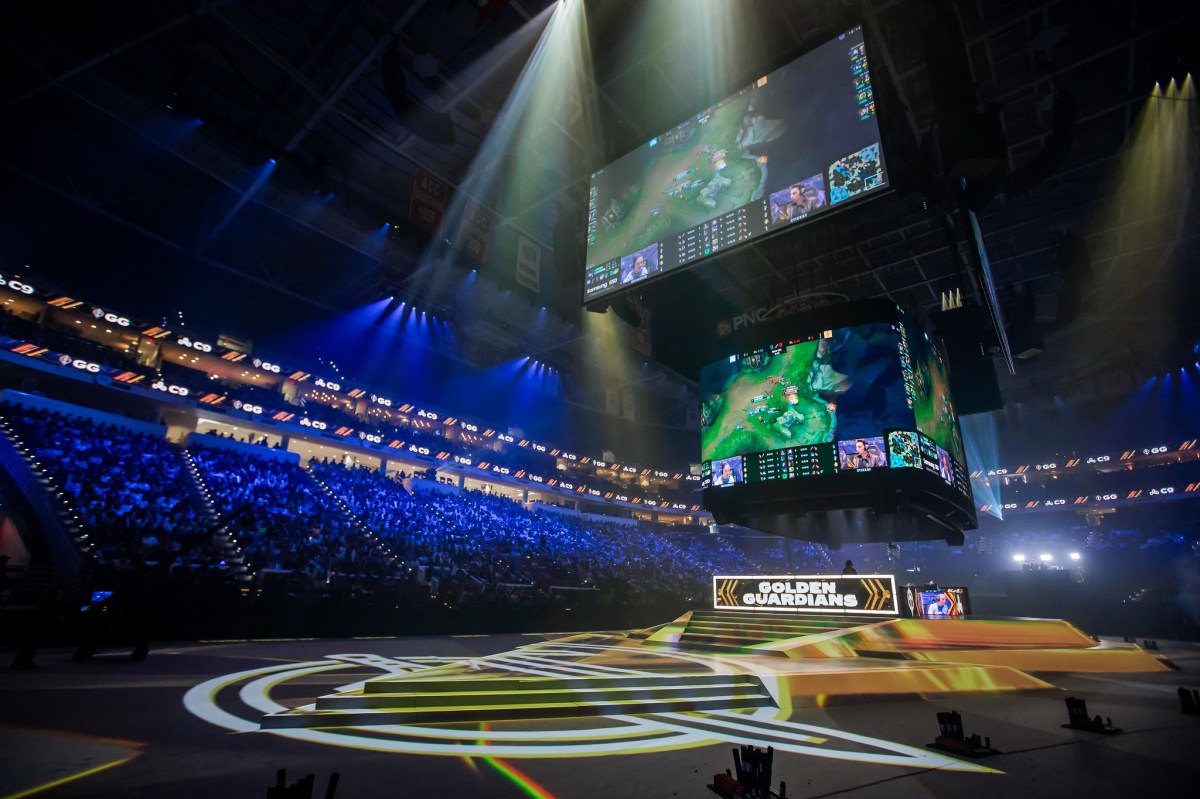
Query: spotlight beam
point(259, 180)
point(474, 83)
point(522, 101)
point(381, 138)
point(603, 93)
point(174, 246)
point(333, 233)
point(603, 89)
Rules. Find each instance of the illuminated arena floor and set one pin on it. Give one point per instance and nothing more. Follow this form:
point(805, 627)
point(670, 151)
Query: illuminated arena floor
point(848, 707)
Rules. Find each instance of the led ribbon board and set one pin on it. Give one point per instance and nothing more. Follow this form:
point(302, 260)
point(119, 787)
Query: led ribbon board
point(873, 595)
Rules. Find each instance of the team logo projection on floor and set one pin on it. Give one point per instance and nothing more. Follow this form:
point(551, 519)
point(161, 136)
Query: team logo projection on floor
point(240, 701)
point(710, 677)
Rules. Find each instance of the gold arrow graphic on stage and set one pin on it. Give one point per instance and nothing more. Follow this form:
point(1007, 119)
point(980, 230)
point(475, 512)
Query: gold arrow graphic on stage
point(872, 597)
point(726, 593)
point(879, 595)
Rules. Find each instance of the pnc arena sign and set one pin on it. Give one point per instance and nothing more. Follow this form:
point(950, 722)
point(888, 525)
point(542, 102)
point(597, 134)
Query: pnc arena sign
point(873, 595)
point(787, 307)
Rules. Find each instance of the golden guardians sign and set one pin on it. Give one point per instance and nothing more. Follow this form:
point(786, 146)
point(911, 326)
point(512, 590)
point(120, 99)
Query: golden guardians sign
point(873, 594)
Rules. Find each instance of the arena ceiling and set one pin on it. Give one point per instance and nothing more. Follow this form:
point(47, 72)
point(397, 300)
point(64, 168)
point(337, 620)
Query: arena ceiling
point(104, 103)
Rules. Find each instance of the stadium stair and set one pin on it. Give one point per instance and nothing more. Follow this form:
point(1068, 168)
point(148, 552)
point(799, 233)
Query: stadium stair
point(40, 499)
point(216, 528)
point(197, 488)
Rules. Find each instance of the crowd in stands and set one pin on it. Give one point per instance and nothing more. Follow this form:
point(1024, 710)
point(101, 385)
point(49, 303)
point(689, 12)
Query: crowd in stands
point(340, 412)
point(140, 501)
point(248, 438)
point(327, 527)
point(792, 556)
point(717, 555)
point(283, 522)
point(130, 491)
point(58, 336)
point(473, 546)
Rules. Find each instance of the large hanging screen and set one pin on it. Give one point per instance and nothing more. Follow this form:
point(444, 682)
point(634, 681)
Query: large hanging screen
point(855, 399)
point(794, 145)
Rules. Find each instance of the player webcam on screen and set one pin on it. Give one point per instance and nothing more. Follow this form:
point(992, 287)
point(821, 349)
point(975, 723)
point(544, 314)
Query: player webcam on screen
point(862, 453)
point(640, 264)
point(728, 471)
point(798, 200)
point(944, 467)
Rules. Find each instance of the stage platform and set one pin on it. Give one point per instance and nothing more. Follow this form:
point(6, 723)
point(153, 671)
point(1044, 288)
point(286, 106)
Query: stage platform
point(725, 660)
point(848, 703)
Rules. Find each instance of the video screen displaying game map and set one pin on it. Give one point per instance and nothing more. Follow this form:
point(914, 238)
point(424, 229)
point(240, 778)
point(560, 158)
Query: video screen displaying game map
point(792, 145)
point(932, 403)
point(701, 169)
point(846, 384)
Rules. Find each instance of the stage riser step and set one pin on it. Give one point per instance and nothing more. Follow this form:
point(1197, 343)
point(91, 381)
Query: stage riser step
point(405, 683)
point(732, 640)
point(768, 626)
point(723, 649)
point(402, 701)
point(833, 620)
point(522, 712)
point(746, 639)
point(755, 620)
point(772, 634)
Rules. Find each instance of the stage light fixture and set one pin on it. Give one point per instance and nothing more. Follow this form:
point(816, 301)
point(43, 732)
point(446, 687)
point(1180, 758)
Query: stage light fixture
point(1019, 558)
point(1045, 557)
point(1075, 556)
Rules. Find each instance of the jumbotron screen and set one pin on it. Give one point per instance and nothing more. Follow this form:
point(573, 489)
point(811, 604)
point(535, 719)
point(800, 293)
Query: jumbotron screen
point(796, 144)
point(861, 398)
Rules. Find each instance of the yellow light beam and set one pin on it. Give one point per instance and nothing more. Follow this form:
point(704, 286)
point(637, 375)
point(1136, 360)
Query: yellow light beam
point(71, 778)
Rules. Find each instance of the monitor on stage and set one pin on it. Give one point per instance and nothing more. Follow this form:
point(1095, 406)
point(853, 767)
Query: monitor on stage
point(937, 602)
